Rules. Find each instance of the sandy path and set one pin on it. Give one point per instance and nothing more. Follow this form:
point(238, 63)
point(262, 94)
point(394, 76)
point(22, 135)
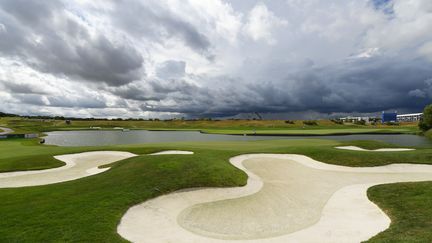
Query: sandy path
point(288, 198)
point(5, 130)
point(355, 148)
point(77, 166)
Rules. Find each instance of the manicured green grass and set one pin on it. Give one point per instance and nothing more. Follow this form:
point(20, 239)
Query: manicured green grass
point(409, 207)
point(89, 209)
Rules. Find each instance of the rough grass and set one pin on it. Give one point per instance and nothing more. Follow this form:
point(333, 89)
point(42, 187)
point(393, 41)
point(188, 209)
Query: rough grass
point(89, 209)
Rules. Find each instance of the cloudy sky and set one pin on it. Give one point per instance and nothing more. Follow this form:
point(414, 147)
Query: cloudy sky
point(214, 58)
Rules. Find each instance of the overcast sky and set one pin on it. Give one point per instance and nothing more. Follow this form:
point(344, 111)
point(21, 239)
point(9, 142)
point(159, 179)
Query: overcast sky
point(214, 58)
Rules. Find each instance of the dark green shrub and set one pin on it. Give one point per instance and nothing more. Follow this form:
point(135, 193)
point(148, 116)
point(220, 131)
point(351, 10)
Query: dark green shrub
point(336, 121)
point(289, 122)
point(426, 122)
point(310, 123)
point(360, 122)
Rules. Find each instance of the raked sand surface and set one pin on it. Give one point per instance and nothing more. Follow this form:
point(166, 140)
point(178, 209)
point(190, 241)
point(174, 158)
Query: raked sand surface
point(77, 166)
point(355, 148)
point(288, 198)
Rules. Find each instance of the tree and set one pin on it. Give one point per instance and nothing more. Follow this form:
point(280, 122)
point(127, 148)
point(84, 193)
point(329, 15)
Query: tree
point(426, 122)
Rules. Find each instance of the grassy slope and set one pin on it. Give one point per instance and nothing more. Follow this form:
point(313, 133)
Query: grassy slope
point(409, 207)
point(89, 209)
point(278, 127)
point(407, 204)
point(428, 134)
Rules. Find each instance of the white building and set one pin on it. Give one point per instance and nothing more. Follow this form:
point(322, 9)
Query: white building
point(409, 117)
point(354, 118)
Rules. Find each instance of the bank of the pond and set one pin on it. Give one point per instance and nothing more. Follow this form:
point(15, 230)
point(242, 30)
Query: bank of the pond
point(107, 137)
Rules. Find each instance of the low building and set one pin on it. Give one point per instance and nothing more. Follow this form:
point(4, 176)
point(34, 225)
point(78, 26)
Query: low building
point(355, 118)
point(409, 117)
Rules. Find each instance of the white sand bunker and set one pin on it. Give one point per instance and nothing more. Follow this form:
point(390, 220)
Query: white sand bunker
point(172, 152)
point(288, 198)
point(355, 148)
point(5, 130)
point(77, 166)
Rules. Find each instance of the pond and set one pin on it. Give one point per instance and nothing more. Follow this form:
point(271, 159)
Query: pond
point(100, 137)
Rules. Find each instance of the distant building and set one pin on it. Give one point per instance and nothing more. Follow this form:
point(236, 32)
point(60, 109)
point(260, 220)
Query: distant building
point(389, 117)
point(356, 118)
point(410, 117)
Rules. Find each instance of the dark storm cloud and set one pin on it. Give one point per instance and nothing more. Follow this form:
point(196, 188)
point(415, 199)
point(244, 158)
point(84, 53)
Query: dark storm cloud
point(41, 34)
point(173, 86)
point(363, 86)
point(138, 91)
point(158, 23)
point(356, 86)
point(156, 90)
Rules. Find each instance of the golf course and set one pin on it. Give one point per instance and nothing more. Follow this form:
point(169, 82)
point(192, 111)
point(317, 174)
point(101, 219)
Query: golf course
point(213, 121)
point(205, 191)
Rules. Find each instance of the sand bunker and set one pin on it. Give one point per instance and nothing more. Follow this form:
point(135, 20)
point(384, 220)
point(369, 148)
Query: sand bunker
point(355, 148)
point(77, 166)
point(5, 130)
point(172, 152)
point(288, 198)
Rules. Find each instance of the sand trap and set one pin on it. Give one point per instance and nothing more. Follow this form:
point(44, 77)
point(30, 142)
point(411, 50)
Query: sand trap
point(5, 130)
point(288, 198)
point(355, 148)
point(77, 166)
point(172, 152)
